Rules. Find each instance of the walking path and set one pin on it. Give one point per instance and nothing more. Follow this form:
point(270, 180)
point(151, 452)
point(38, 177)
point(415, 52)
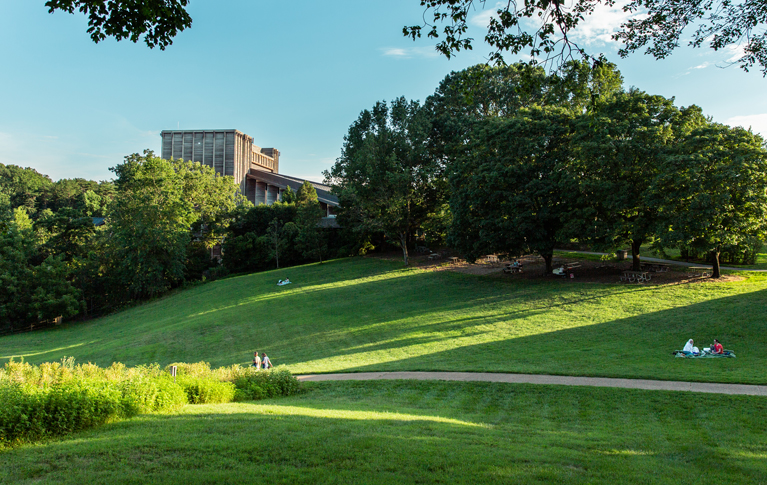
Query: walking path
point(707, 387)
point(669, 261)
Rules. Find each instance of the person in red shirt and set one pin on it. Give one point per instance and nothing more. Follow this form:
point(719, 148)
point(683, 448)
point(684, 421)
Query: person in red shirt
point(717, 348)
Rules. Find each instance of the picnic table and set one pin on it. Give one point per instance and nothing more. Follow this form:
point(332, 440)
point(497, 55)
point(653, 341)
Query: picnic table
point(655, 267)
point(566, 269)
point(511, 268)
point(635, 276)
point(454, 259)
point(491, 258)
point(699, 270)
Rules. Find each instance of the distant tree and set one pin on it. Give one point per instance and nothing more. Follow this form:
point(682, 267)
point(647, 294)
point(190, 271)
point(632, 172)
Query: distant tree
point(544, 29)
point(279, 235)
point(288, 196)
point(159, 206)
point(24, 186)
point(158, 21)
point(31, 290)
point(622, 147)
point(512, 192)
point(386, 180)
point(714, 190)
point(310, 240)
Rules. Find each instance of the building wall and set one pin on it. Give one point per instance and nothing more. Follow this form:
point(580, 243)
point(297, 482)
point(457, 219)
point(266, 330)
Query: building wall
point(229, 152)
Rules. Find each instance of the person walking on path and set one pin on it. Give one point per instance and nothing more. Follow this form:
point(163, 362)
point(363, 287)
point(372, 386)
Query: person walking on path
point(265, 362)
point(256, 360)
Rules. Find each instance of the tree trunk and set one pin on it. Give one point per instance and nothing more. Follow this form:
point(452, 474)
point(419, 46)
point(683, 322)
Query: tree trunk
point(547, 258)
point(716, 272)
point(277, 256)
point(403, 243)
point(636, 264)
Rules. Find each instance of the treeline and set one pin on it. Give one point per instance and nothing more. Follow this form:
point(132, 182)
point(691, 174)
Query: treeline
point(160, 220)
point(513, 160)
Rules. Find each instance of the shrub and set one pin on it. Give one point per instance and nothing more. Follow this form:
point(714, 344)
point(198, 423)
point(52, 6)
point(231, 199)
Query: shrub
point(206, 390)
point(32, 413)
point(255, 384)
point(56, 398)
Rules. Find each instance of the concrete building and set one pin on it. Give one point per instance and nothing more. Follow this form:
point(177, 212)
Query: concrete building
point(231, 152)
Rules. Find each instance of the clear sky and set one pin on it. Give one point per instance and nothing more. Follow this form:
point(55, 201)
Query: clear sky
point(293, 75)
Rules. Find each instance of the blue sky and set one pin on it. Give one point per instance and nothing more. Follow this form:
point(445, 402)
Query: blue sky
point(293, 75)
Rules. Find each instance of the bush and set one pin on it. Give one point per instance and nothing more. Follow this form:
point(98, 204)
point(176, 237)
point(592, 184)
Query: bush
point(255, 385)
point(206, 390)
point(30, 413)
point(53, 399)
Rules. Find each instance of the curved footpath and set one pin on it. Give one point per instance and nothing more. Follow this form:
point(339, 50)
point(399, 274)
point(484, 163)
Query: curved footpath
point(708, 387)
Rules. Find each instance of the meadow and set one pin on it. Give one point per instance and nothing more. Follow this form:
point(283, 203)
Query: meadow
point(367, 314)
point(418, 432)
point(373, 315)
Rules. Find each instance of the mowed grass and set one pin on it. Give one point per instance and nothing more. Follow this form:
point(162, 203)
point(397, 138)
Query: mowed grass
point(368, 314)
point(421, 432)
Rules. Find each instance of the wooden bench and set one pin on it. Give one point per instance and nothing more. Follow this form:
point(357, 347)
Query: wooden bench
point(635, 276)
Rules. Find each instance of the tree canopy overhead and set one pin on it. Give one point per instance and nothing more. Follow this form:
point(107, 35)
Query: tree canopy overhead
point(658, 25)
point(158, 21)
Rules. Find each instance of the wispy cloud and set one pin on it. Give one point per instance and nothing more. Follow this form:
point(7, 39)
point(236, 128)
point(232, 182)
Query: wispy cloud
point(758, 123)
point(410, 52)
point(595, 29)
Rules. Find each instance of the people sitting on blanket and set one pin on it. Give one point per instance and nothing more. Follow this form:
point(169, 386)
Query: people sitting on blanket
point(717, 347)
point(689, 348)
point(286, 281)
point(559, 271)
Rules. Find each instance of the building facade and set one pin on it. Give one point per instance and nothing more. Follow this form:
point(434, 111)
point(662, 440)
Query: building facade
point(231, 152)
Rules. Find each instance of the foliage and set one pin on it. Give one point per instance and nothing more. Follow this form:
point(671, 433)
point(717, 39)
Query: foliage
point(386, 180)
point(714, 190)
point(511, 193)
point(158, 205)
point(621, 148)
point(544, 28)
point(31, 291)
point(158, 21)
point(311, 240)
point(55, 399)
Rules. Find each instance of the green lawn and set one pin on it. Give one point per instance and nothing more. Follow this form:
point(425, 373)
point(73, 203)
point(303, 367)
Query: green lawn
point(368, 314)
point(421, 432)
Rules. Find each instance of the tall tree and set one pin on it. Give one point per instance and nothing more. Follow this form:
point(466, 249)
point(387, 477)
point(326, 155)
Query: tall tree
point(714, 190)
point(310, 239)
point(512, 192)
point(386, 180)
point(544, 28)
point(158, 206)
point(622, 147)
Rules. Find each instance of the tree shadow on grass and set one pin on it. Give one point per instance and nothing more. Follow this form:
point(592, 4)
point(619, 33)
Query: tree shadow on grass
point(639, 347)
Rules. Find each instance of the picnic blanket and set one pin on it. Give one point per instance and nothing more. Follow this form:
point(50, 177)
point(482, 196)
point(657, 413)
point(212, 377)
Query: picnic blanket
point(703, 355)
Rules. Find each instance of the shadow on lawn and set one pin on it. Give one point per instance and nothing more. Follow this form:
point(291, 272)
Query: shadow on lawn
point(640, 346)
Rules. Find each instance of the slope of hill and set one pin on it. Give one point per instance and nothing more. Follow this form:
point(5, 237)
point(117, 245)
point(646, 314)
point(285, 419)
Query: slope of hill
point(368, 314)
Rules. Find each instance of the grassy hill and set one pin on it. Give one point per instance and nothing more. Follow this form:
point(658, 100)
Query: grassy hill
point(370, 314)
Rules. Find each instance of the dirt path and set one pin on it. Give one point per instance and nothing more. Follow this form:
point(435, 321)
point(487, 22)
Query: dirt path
point(712, 388)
